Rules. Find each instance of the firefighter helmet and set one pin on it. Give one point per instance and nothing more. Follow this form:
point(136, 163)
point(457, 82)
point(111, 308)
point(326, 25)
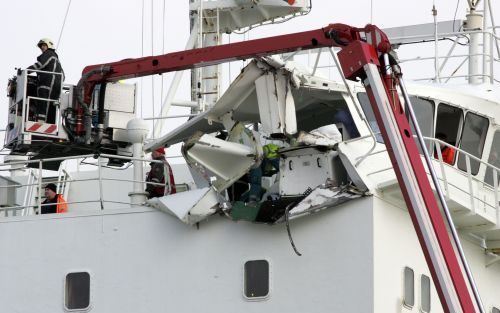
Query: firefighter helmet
point(47, 41)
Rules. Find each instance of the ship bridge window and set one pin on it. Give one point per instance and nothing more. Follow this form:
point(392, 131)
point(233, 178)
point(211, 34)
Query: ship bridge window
point(424, 111)
point(322, 108)
point(448, 125)
point(77, 291)
point(493, 159)
point(472, 141)
point(409, 288)
point(256, 279)
point(370, 116)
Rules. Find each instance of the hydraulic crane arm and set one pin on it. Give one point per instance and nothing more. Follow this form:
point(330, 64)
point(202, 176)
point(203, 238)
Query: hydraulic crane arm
point(334, 35)
point(365, 54)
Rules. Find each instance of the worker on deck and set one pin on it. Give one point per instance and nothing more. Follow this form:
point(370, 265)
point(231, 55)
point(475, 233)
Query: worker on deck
point(447, 152)
point(270, 165)
point(49, 81)
point(158, 174)
point(54, 202)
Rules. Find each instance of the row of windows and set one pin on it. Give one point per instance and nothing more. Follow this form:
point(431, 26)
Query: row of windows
point(465, 130)
point(409, 290)
point(425, 292)
point(256, 285)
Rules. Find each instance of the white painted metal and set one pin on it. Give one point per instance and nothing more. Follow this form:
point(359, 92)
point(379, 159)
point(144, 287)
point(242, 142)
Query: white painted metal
point(475, 23)
point(191, 206)
point(137, 131)
point(120, 97)
point(307, 167)
point(276, 104)
point(228, 161)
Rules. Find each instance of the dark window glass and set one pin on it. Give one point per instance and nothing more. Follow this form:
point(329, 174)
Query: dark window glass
point(449, 121)
point(256, 279)
point(493, 159)
point(77, 293)
point(409, 288)
point(424, 112)
point(472, 141)
point(370, 116)
point(425, 293)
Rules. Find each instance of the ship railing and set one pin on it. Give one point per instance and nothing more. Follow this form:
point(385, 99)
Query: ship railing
point(472, 179)
point(29, 208)
point(487, 57)
point(444, 61)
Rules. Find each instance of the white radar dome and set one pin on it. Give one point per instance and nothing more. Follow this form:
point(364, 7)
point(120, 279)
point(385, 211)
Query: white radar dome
point(137, 130)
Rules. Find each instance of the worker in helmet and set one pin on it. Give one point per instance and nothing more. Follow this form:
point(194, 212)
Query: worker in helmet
point(160, 173)
point(49, 81)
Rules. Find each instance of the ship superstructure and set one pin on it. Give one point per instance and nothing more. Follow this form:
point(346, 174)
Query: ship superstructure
point(331, 231)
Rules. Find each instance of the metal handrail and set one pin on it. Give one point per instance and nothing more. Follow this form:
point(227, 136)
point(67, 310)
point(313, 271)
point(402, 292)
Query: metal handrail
point(471, 178)
point(37, 206)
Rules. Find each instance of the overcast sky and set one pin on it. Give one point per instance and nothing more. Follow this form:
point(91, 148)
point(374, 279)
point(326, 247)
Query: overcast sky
point(98, 31)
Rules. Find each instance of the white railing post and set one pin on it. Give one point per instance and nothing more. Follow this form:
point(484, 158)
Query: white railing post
point(99, 170)
point(40, 175)
point(469, 176)
point(441, 165)
point(137, 131)
point(496, 191)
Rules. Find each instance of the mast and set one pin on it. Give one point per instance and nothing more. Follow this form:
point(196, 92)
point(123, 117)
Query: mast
point(474, 24)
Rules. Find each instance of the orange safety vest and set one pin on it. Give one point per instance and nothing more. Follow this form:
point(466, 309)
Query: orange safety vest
point(62, 206)
point(448, 155)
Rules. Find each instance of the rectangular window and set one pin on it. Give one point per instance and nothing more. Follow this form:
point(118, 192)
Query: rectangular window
point(370, 116)
point(424, 112)
point(409, 288)
point(77, 291)
point(472, 141)
point(493, 159)
point(425, 293)
point(449, 121)
point(256, 279)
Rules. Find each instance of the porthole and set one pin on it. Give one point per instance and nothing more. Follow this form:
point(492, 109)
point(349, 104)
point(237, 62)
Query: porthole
point(77, 291)
point(256, 279)
point(409, 288)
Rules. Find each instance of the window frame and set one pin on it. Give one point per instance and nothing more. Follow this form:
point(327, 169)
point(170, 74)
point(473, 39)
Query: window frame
point(269, 289)
point(405, 304)
point(488, 170)
point(422, 293)
point(458, 154)
point(458, 134)
point(89, 306)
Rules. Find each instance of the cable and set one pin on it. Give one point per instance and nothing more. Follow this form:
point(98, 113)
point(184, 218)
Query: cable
point(287, 213)
point(62, 27)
